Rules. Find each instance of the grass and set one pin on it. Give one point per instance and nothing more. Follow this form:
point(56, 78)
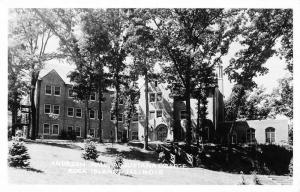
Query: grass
point(55, 164)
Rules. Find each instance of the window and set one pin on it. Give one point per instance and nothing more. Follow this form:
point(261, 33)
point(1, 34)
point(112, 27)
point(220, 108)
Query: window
point(92, 114)
point(152, 97)
point(70, 129)
point(71, 92)
point(100, 115)
point(135, 117)
point(70, 111)
point(55, 129)
point(155, 83)
point(78, 131)
point(112, 117)
point(183, 114)
point(159, 97)
point(93, 97)
point(92, 132)
point(57, 91)
point(251, 135)
point(56, 109)
point(48, 90)
point(134, 135)
point(46, 129)
point(151, 114)
point(159, 113)
point(47, 109)
point(270, 135)
point(78, 112)
point(120, 117)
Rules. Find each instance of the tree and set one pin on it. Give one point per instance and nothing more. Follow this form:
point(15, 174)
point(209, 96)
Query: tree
point(263, 31)
point(33, 36)
point(17, 85)
point(255, 105)
point(141, 46)
point(191, 37)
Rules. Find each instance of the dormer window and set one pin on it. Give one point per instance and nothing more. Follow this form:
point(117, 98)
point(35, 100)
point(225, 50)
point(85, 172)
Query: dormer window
point(57, 91)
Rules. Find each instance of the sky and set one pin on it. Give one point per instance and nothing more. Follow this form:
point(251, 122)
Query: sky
point(275, 65)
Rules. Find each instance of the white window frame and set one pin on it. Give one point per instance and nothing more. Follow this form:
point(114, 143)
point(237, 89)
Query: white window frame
point(95, 96)
point(161, 113)
point(58, 109)
point(70, 89)
point(161, 98)
point(181, 114)
point(46, 90)
point(57, 129)
point(94, 114)
point(79, 131)
point(150, 97)
point(59, 91)
point(68, 111)
point(45, 108)
point(76, 113)
point(44, 129)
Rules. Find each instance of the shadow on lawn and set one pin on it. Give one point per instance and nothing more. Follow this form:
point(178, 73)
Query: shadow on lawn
point(62, 145)
point(134, 154)
point(32, 169)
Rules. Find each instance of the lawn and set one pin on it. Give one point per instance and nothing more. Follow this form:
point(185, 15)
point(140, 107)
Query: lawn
point(62, 164)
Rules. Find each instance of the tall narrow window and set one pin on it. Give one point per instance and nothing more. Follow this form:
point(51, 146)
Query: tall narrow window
point(70, 111)
point(71, 92)
point(56, 109)
point(93, 96)
point(159, 113)
point(270, 135)
point(92, 114)
point(46, 129)
point(251, 135)
point(159, 97)
point(78, 131)
point(55, 129)
point(57, 91)
point(48, 90)
point(78, 113)
point(47, 109)
point(152, 97)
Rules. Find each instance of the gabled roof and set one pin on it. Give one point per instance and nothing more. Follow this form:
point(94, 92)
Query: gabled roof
point(53, 71)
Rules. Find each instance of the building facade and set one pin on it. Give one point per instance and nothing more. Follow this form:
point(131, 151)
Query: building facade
point(59, 112)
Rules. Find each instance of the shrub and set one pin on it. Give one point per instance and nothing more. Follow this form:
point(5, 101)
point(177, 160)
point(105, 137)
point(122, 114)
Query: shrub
point(118, 162)
point(90, 151)
point(18, 155)
point(256, 180)
point(291, 167)
point(67, 135)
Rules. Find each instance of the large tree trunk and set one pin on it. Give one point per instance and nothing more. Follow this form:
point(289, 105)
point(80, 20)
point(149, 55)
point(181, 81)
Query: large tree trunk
point(198, 121)
point(14, 113)
point(34, 78)
point(147, 110)
point(85, 118)
point(117, 111)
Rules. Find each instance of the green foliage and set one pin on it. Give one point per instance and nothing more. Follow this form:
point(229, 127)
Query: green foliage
point(117, 164)
point(90, 151)
point(18, 154)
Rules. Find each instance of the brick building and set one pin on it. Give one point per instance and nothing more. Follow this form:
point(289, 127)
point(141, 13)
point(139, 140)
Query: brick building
point(58, 111)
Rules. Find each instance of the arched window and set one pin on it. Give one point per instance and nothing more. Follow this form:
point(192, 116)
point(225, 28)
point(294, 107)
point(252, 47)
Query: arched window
point(251, 135)
point(270, 135)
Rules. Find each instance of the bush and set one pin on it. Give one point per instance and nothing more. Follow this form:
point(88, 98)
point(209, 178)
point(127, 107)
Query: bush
point(18, 155)
point(67, 135)
point(116, 167)
point(90, 151)
point(291, 167)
